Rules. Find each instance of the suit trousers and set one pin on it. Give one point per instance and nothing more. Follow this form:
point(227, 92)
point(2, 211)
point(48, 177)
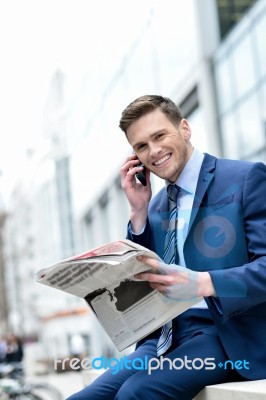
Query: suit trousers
point(182, 372)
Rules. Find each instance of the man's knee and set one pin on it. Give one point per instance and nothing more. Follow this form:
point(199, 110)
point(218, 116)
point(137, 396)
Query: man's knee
point(146, 387)
point(129, 392)
point(139, 388)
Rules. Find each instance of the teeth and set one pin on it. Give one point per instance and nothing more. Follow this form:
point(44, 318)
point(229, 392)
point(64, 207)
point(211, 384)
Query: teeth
point(162, 160)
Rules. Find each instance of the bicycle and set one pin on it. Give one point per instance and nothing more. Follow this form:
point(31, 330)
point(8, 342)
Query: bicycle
point(13, 386)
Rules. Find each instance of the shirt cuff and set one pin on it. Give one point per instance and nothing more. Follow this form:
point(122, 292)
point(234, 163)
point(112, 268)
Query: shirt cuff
point(133, 233)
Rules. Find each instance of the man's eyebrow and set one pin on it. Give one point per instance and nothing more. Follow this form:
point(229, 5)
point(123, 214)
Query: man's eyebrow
point(151, 136)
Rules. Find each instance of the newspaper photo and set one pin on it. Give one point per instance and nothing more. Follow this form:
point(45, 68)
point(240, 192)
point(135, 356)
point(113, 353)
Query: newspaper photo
point(126, 308)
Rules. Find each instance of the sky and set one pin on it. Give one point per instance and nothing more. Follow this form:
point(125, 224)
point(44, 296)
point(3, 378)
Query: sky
point(37, 37)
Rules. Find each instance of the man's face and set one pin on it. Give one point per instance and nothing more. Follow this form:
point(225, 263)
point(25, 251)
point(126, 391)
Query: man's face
point(161, 146)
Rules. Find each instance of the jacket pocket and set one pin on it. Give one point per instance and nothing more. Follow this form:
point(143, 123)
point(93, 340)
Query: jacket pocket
point(210, 208)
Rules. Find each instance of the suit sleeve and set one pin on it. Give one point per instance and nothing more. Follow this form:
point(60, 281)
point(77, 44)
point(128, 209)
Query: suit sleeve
point(144, 238)
point(240, 288)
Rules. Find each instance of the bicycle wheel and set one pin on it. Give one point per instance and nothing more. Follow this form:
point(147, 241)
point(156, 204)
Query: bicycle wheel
point(45, 391)
point(19, 396)
point(26, 396)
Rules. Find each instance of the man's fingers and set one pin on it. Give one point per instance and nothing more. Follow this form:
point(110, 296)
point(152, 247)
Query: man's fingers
point(146, 276)
point(158, 286)
point(129, 164)
point(156, 278)
point(150, 262)
point(128, 172)
point(159, 265)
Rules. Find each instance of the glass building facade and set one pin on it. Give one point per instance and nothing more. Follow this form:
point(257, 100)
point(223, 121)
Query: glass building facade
point(240, 76)
point(230, 13)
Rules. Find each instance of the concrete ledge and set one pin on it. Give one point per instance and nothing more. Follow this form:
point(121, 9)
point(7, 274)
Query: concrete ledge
point(255, 390)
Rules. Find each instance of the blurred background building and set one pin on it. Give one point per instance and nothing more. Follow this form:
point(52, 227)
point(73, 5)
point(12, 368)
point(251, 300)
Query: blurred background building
point(3, 291)
point(209, 56)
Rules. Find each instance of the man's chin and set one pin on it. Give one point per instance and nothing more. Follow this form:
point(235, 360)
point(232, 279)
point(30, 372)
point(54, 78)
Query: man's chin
point(161, 176)
point(166, 175)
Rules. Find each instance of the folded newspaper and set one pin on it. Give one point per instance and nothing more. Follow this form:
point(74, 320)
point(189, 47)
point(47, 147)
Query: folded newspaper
point(127, 309)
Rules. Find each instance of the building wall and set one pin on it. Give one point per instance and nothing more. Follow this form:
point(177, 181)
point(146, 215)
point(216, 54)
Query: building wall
point(240, 75)
point(3, 289)
point(20, 263)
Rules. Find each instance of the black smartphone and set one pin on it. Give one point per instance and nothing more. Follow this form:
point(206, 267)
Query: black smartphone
point(141, 175)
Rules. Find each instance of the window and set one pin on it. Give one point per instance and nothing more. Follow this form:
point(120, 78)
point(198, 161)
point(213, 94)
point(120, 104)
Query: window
point(225, 83)
point(244, 67)
point(252, 136)
point(230, 12)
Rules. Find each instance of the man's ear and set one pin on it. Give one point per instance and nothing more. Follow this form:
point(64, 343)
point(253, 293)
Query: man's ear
point(185, 129)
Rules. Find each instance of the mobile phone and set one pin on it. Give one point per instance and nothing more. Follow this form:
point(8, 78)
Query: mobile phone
point(141, 175)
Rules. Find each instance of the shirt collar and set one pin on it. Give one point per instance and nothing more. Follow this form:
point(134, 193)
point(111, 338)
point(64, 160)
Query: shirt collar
point(189, 175)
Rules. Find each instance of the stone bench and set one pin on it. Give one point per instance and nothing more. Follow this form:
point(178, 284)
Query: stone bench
point(248, 390)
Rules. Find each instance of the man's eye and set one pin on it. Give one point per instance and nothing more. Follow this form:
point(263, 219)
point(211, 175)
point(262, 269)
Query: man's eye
point(140, 146)
point(159, 136)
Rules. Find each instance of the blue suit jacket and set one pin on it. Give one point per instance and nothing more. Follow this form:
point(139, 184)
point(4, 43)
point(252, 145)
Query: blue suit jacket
point(227, 237)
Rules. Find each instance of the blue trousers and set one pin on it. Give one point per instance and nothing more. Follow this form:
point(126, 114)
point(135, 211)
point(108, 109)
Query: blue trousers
point(194, 339)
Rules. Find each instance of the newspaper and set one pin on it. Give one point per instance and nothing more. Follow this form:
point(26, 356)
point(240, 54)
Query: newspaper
point(128, 309)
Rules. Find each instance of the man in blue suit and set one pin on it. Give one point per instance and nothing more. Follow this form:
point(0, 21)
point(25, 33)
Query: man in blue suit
point(221, 257)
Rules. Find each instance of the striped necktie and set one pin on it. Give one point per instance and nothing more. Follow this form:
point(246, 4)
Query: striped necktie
point(169, 257)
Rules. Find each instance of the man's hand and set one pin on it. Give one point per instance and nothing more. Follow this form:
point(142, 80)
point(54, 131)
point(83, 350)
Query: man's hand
point(138, 195)
point(176, 282)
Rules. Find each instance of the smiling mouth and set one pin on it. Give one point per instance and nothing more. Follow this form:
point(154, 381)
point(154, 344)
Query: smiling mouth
point(162, 160)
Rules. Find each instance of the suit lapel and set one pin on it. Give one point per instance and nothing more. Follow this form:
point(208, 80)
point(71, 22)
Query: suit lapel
point(205, 177)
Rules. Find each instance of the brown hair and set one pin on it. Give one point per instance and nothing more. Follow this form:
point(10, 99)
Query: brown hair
point(145, 104)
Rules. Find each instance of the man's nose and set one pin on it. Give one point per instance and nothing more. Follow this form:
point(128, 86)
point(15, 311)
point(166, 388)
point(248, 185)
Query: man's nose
point(154, 150)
